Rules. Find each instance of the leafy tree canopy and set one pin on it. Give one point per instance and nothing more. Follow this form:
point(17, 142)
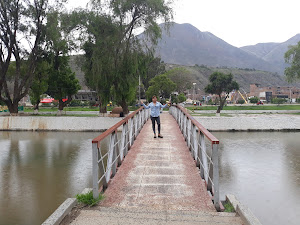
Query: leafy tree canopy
point(161, 86)
point(221, 83)
point(292, 56)
point(182, 78)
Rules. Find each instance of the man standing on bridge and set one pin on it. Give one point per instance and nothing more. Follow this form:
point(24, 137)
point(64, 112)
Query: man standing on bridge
point(155, 107)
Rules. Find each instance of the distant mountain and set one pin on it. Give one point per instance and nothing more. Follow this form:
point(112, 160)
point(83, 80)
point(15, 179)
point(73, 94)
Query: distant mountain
point(273, 53)
point(244, 77)
point(184, 44)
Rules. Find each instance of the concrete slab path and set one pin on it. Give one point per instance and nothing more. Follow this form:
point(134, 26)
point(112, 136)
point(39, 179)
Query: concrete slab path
point(159, 177)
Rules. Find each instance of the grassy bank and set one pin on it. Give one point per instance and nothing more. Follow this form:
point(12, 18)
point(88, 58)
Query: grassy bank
point(252, 107)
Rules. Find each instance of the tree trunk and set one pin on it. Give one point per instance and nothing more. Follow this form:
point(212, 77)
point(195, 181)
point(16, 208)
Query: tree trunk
point(13, 107)
point(102, 106)
point(36, 106)
point(61, 104)
point(124, 106)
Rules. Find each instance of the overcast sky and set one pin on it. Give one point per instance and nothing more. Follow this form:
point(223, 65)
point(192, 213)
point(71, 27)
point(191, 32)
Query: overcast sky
point(238, 22)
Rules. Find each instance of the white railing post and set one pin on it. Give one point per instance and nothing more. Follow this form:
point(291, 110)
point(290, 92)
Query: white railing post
point(131, 133)
point(203, 157)
point(95, 170)
point(215, 174)
point(195, 144)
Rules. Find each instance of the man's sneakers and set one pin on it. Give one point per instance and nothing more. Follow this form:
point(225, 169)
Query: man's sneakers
point(154, 135)
point(160, 136)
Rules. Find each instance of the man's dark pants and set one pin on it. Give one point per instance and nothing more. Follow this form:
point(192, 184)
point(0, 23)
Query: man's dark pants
point(157, 119)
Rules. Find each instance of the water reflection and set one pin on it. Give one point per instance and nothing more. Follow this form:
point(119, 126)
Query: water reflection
point(39, 170)
point(263, 170)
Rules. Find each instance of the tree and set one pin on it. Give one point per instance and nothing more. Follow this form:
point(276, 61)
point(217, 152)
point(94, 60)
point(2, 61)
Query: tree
point(182, 78)
point(62, 82)
point(278, 101)
point(39, 85)
point(99, 55)
point(181, 98)
point(254, 100)
point(221, 83)
point(21, 30)
point(292, 56)
point(130, 16)
point(161, 86)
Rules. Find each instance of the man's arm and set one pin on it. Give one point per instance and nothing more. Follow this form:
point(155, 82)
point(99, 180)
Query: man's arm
point(164, 106)
point(145, 106)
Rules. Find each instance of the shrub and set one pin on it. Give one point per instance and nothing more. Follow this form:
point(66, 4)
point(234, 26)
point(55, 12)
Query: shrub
point(298, 100)
point(241, 101)
point(254, 100)
point(75, 103)
point(88, 199)
point(181, 98)
point(278, 101)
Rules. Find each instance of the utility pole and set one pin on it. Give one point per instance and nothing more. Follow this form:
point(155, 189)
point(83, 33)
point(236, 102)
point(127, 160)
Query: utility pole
point(139, 89)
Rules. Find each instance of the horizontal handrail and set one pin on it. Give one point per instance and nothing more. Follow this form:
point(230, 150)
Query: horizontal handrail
point(115, 127)
point(209, 136)
point(198, 138)
point(105, 162)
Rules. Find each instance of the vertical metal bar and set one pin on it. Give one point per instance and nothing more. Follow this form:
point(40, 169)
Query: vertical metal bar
point(122, 145)
point(110, 157)
point(195, 144)
point(114, 149)
point(131, 133)
point(215, 160)
point(203, 157)
point(126, 139)
point(95, 170)
point(119, 148)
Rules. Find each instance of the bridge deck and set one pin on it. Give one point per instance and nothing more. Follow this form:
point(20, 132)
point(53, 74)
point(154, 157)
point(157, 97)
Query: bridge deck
point(159, 177)
point(159, 174)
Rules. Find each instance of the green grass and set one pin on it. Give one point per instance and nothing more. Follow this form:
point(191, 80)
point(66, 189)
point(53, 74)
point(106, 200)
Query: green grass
point(88, 199)
point(66, 115)
point(253, 107)
point(228, 207)
point(69, 109)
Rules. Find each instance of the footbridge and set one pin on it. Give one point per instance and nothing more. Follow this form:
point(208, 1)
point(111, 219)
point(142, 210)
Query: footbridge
point(169, 180)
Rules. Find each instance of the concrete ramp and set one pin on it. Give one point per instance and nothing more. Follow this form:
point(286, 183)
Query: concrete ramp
point(116, 216)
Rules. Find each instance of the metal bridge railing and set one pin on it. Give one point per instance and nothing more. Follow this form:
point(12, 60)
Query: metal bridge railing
point(204, 148)
point(106, 160)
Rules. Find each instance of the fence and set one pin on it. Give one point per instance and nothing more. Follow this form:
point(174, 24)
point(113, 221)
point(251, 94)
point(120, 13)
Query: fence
point(204, 148)
point(105, 162)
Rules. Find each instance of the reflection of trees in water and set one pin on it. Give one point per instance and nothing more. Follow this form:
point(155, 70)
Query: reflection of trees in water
point(292, 157)
point(38, 171)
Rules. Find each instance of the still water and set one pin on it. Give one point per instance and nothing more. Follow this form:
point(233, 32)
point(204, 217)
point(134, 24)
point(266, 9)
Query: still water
point(263, 170)
point(39, 170)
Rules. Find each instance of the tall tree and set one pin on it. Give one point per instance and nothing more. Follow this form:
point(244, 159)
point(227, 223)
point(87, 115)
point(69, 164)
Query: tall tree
point(21, 30)
point(40, 84)
point(62, 83)
point(99, 55)
point(130, 16)
point(161, 86)
point(221, 83)
point(182, 78)
point(292, 56)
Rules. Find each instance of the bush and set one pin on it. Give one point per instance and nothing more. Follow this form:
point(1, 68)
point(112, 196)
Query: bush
point(278, 101)
point(254, 100)
point(75, 103)
point(92, 103)
point(181, 98)
point(298, 100)
point(241, 101)
point(88, 199)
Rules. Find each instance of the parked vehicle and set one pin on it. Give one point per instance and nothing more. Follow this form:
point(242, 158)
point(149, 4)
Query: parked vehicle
point(259, 103)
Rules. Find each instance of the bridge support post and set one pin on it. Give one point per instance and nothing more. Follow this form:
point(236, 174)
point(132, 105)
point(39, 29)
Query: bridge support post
point(216, 175)
point(95, 170)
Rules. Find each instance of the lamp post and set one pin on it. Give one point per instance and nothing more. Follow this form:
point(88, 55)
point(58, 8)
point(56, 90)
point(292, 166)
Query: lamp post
point(194, 84)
